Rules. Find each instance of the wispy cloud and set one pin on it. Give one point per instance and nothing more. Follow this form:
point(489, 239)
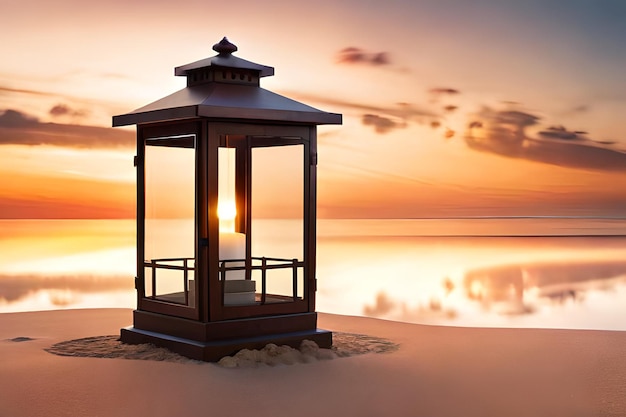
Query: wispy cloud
point(5, 90)
point(382, 118)
point(440, 91)
point(18, 128)
point(354, 55)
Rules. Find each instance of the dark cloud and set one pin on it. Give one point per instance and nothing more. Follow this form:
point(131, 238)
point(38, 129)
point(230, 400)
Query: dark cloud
point(435, 124)
point(515, 118)
point(606, 142)
point(381, 124)
point(390, 118)
point(17, 128)
point(507, 125)
point(353, 55)
point(444, 91)
point(560, 132)
point(381, 58)
point(450, 108)
point(503, 133)
point(565, 154)
point(15, 119)
point(65, 110)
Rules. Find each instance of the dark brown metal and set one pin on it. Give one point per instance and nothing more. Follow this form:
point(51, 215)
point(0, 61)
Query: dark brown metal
point(310, 218)
point(215, 303)
point(141, 198)
point(294, 279)
point(224, 47)
point(264, 281)
point(202, 228)
point(186, 282)
point(241, 183)
point(248, 206)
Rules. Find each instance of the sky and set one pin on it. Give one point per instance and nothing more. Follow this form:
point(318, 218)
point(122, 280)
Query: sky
point(450, 108)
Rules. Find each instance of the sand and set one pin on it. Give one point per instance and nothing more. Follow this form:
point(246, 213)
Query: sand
point(386, 369)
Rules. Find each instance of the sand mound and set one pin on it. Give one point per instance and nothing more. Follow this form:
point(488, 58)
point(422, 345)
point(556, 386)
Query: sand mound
point(344, 344)
point(273, 355)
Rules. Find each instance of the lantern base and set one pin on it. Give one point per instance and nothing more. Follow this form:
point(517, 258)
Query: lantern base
point(213, 351)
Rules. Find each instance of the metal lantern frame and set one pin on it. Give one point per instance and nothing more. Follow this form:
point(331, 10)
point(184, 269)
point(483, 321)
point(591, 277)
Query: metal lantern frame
point(223, 106)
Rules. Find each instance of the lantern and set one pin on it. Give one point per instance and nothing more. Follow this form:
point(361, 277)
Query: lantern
point(226, 219)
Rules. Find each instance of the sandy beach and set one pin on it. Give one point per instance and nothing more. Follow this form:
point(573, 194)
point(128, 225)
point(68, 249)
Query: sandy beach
point(435, 371)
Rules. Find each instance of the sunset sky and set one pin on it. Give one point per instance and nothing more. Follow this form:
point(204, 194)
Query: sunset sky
point(451, 107)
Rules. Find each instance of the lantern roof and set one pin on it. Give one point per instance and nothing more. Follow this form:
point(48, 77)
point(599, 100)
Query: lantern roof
point(224, 59)
point(226, 87)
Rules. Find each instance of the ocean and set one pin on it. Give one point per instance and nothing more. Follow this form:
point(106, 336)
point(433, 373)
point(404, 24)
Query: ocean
point(549, 272)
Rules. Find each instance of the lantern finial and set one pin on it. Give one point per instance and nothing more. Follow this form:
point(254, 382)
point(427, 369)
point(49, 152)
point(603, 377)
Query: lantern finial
point(224, 47)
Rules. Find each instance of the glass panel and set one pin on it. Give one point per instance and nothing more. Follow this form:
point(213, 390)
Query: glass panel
point(232, 242)
point(277, 219)
point(169, 222)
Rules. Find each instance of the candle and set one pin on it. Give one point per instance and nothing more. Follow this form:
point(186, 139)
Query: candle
point(233, 246)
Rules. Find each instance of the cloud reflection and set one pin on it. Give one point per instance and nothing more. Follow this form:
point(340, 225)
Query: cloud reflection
point(508, 286)
point(386, 307)
point(14, 288)
point(505, 290)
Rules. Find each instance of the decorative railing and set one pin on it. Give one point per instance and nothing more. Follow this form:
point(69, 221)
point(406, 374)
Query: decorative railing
point(156, 264)
point(263, 264)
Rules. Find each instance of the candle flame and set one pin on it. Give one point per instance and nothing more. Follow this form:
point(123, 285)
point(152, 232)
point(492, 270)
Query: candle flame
point(226, 212)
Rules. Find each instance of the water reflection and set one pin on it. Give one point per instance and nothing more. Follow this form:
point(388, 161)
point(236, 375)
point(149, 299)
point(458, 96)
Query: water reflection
point(20, 291)
point(66, 264)
point(561, 282)
point(515, 289)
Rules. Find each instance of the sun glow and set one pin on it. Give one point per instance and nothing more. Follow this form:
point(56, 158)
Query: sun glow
point(227, 212)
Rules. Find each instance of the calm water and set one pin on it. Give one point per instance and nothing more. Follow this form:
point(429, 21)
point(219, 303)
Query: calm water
point(548, 272)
